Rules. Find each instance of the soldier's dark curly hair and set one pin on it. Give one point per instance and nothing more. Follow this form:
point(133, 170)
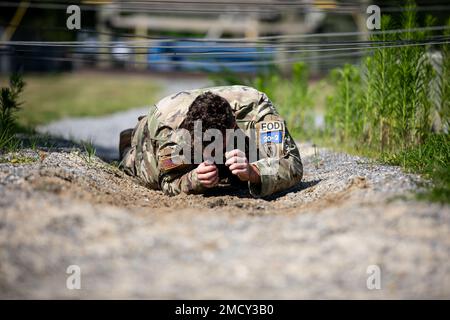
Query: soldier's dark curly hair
point(214, 111)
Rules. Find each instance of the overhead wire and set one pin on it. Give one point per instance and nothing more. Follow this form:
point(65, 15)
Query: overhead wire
point(329, 59)
point(200, 7)
point(316, 47)
point(264, 38)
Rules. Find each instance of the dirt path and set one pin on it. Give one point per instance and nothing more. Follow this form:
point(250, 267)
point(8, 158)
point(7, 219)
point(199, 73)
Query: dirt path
point(315, 241)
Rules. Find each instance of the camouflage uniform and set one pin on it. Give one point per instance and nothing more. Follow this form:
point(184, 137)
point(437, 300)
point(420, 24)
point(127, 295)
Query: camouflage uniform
point(153, 141)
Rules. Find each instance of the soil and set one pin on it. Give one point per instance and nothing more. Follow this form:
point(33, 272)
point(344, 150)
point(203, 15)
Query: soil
point(318, 240)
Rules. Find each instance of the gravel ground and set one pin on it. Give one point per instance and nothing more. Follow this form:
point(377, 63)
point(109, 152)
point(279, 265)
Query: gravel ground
point(59, 208)
point(315, 241)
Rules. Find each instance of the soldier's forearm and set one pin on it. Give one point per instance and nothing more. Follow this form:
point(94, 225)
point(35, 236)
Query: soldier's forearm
point(187, 183)
point(276, 175)
point(254, 176)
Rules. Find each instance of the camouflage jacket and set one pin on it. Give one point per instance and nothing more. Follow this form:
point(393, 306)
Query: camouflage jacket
point(153, 142)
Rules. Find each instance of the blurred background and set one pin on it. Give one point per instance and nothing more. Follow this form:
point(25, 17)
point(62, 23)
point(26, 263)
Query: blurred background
point(188, 36)
point(124, 48)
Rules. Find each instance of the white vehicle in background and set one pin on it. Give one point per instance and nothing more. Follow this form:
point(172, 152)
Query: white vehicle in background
point(121, 54)
point(87, 54)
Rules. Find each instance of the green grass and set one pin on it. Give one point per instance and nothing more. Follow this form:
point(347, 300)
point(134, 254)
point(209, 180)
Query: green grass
point(296, 98)
point(432, 159)
point(89, 150)
point(51, 97)
point(388, 103)
point(387, 108)
point(9, 106)
point(17, 159)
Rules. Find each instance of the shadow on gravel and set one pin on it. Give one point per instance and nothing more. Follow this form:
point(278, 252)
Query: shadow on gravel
point(47, 142)
point(107, 154)
point(54, 143)
point(244, 193)
point(298, 187)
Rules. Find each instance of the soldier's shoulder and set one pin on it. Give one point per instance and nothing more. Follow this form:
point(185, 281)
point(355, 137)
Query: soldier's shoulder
point(232, 88)
point(176, 100)
point(239, 94)
point(172, 109)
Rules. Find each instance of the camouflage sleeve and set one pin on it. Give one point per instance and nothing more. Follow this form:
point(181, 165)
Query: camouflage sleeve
point(173, 183)
point(176, 174)
point(280, 165)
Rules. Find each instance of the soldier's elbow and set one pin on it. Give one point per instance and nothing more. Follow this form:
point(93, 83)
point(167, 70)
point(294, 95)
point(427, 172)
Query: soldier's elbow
point(297, 171)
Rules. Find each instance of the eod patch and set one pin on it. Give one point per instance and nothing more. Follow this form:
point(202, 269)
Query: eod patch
point(271, 137)
point(267, 126)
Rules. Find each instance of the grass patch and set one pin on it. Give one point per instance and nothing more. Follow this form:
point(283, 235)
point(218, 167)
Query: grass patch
point(89, 150)
point(51, 97)
point(395, 107)
point(432, 159)
point(17, 159)
point(9, 107)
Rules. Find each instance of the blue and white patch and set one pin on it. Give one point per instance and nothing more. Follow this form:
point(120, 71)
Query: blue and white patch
point(271, 137)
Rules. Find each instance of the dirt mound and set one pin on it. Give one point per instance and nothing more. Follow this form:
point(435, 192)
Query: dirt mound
point(314, 241)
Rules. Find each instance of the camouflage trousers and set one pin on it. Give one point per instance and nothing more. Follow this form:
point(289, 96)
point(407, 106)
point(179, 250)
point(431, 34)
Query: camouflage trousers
point(140, 161)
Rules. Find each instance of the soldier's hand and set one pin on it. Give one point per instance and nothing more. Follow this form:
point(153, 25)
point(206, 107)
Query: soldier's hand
point(207, 174)
point(238, 164)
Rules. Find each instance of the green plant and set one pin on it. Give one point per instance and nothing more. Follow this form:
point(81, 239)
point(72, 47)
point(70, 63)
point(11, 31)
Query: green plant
point(9, 105)
point(431, 158)
point(33, 142)
point(17, 159)
point(90, 151)
point(343, 117)
point(387, 107)
point(413, 73)
point(6, 139)
point(442, 103)
point(379, 88)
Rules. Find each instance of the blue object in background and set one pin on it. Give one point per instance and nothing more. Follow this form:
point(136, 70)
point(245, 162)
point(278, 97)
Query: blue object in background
point(181, 56)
